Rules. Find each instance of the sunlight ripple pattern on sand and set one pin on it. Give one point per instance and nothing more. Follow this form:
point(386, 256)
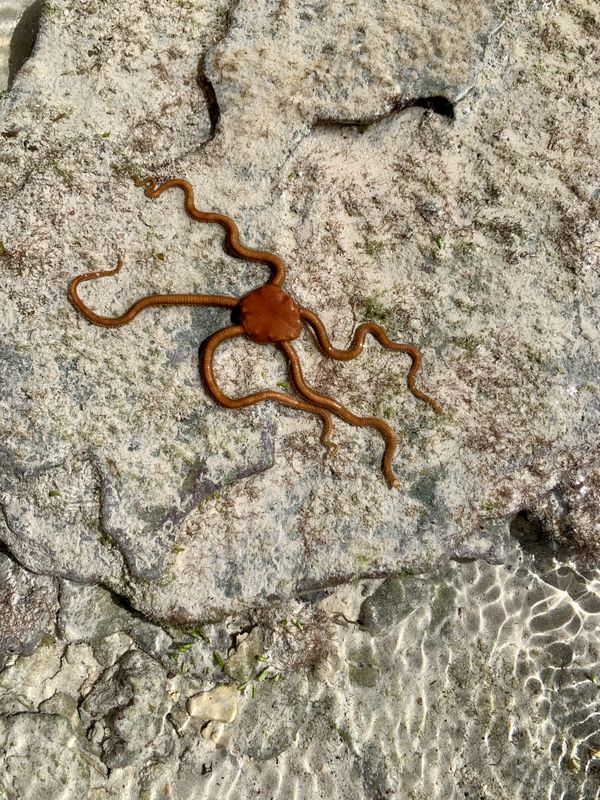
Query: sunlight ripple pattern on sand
point(485, 684)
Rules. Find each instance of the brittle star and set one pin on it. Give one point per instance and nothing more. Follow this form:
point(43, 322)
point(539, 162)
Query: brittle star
point(267, 315)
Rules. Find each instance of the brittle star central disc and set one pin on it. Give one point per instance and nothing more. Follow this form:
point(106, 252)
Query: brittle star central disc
point(269, 315)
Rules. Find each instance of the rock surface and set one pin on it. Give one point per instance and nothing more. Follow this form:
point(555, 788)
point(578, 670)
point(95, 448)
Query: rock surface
point(486, 688)
point(219, 704)
point(116, 466)
point(320, 137)
point(28, 608)
point(431, 167)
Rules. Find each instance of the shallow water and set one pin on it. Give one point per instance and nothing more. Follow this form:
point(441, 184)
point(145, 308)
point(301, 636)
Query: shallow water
point(488, 688)
point(476, 681)
point(470, 681)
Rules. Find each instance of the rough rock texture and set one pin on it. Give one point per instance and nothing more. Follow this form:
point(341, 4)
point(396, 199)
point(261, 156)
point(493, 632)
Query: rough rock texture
point(116, 466)
point(61, 765)
point(469, 681)
point(470, 232)
point(28, 608)
point(432, 167)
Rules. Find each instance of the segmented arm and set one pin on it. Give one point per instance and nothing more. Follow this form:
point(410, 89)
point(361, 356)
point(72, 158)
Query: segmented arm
point(341, 411)
point(358, 343)
point(208, 373)
point(146, 302)
point(232, 234)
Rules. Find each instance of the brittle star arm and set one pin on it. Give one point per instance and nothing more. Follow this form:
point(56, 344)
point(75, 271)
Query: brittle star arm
point(208, 373)
point(232, 234)
point(356, 348)
point(341, 411)
point(218, 300)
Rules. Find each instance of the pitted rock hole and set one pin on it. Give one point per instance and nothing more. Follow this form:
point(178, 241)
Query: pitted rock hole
point(532, 537)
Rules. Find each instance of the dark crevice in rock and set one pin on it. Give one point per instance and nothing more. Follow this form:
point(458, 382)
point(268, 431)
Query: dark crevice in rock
point(438, 104)
point(3, 547)
point(315, 596)
point(170, 625)
point(5, 550)
point(163, 523)
point(23, 39)
point(120, 600)
point(244, 629)
point(210, 97)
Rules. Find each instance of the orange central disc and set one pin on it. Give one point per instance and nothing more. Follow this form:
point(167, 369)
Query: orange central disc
point(270, 315)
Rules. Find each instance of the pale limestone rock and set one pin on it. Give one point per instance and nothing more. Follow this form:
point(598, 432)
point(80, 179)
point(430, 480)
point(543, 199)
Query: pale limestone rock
point(59, 765)
point(30, 680)
point(475, 237)
point(219, 704)
point(63, 704)
point(119, 469)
